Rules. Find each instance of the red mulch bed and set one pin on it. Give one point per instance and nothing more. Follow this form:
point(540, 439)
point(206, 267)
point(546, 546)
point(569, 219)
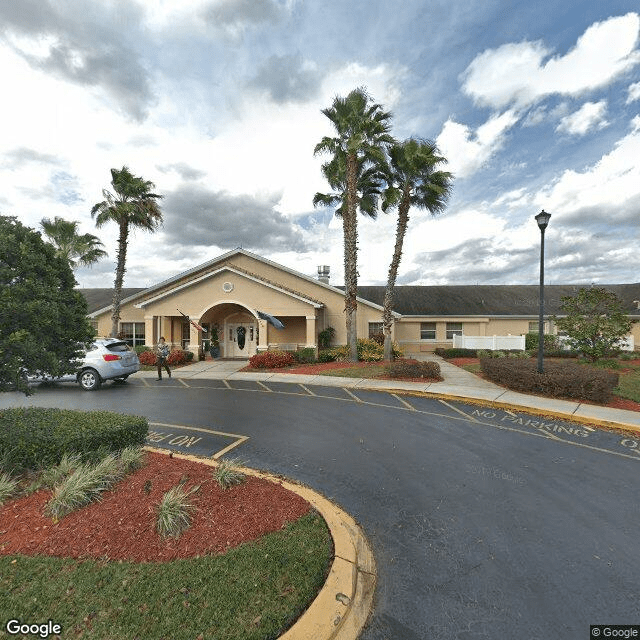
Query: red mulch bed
point(123, 525)
point(311, 369)
point(314, 369)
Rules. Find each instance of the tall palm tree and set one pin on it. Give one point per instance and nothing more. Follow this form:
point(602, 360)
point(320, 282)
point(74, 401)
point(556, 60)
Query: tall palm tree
point(358, 151)
point(414, 181)
point(132, 205)
point(78, 250)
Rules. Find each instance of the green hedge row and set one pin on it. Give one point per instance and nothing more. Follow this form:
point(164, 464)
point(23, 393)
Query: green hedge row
point(35, 437)
point(414, 369)
point(456, 353)
point(560, 379)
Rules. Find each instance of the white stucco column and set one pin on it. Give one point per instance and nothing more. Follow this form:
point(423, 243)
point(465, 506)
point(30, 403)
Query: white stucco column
point(311, 332)
point(148, 330)
point(195, 342)
point(263, 345)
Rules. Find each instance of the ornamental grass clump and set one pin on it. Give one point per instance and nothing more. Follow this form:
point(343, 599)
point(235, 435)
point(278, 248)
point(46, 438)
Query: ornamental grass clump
point(228, 473)
point(174, 511)
point(54, 475)
point(8, 487)
point(131, 459)
point(83, 486)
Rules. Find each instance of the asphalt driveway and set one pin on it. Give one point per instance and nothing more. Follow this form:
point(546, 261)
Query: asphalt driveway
point(485, 523)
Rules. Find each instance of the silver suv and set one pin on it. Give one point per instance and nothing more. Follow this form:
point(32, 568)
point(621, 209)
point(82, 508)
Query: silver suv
point(107, 359)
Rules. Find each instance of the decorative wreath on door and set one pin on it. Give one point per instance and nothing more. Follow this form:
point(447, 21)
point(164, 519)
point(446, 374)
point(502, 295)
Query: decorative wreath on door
point(241, 333)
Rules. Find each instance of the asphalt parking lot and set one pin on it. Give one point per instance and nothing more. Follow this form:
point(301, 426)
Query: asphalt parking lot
point(485, 523)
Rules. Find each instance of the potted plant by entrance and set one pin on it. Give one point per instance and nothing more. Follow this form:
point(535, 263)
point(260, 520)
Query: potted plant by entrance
point(214, 349)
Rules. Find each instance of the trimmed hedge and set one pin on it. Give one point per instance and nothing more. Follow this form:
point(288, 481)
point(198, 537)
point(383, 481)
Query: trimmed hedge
point(271, 360)
point(414, 369)
point(35, 437)
point(305, 356)
point(456, 353)
point(177, 356)
point(560, 379)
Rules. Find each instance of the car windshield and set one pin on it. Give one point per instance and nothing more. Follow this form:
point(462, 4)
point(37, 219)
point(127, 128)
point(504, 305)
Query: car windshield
point(117, 346)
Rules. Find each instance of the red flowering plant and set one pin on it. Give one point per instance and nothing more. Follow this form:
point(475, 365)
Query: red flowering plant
point(148, 358)
point(271, 360)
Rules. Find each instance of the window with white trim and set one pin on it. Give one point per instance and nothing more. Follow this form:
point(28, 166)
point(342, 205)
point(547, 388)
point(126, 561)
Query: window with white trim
point(533, 327)
point(427, 331)
point(375, 328)
point(454, 329)
point(132, 333)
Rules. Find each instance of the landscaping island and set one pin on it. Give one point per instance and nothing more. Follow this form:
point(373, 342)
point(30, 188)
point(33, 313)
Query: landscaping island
point(233, 557)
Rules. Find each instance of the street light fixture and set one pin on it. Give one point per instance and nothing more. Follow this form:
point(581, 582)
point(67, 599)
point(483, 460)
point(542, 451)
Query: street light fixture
point(543, 220)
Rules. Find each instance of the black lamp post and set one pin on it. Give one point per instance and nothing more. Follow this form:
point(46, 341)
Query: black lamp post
point(543, 220)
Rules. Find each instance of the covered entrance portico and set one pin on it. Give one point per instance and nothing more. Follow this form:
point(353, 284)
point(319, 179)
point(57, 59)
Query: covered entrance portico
point(237, 328)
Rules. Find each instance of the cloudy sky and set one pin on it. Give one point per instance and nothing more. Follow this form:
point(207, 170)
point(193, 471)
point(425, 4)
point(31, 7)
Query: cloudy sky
point(218, 102)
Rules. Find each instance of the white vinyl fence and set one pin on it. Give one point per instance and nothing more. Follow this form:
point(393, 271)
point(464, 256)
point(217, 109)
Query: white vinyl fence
point(492, 343)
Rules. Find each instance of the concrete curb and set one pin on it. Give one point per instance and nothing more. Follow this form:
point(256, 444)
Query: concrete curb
point(538, 411)
point(344, 603)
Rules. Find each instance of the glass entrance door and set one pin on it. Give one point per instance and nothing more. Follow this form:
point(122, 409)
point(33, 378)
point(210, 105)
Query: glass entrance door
point(240, 340)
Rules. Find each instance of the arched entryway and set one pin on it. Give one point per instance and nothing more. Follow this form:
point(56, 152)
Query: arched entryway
point(236, 328)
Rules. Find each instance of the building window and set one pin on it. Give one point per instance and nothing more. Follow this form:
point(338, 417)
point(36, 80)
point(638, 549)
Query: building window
point(376, 328)
point(533, 327)
point(186, 335)
point(427, 331)
point(454, 329)
point(132, 333)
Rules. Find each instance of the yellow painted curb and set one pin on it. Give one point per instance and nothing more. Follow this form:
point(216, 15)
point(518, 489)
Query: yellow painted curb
point(496, 404)
point(344, 603)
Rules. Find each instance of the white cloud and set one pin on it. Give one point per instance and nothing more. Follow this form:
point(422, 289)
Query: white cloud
point(466, 151)
point(633, 92)
point(590, 115)
point(520, 73)
point(608, 185)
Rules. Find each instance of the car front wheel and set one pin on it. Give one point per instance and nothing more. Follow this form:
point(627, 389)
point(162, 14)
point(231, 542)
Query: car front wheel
point(89, 379)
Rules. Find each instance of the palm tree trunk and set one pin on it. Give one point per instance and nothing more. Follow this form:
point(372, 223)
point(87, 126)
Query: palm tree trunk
point(120, 269)
point(401, 230)
point(350, 230)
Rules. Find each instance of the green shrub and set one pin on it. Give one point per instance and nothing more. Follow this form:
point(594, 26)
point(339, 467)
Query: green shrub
point(35, 437)
point(326, 356)
point(414, 369)
point(305, 356)
point(368, 351)
point(456, 353)
point(532, 340)
point(560, 379)
point(174, 511)
point(141, 348)
point(271, 360)
point(325, 337)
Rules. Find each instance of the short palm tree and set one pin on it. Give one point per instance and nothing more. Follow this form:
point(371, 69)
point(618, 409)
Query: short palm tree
point(78, 250)
point(358, 150)
point(414, 181)
point(132, 205)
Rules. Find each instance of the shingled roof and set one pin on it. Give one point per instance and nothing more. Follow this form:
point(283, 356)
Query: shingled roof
point(449, 300)
point(101, 298)
point(489, 300)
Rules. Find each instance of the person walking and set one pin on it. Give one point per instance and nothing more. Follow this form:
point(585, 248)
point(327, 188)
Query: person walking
point(162, 353)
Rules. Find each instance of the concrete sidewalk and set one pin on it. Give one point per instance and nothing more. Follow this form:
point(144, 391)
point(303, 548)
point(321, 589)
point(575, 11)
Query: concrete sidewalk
point(458, 384)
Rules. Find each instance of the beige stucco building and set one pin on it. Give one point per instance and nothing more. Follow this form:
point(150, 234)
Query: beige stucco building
point(235, 293)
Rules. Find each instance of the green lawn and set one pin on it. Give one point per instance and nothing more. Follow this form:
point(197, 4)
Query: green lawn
point(253, 592)
point(356, 372)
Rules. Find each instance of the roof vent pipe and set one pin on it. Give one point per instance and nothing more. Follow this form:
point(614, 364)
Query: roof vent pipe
point(323, 273)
